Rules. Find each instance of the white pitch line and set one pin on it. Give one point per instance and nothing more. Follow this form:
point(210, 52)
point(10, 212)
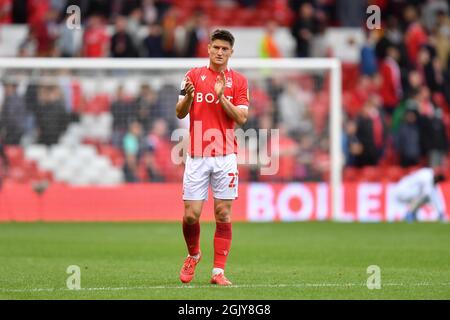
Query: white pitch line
point(248, 286)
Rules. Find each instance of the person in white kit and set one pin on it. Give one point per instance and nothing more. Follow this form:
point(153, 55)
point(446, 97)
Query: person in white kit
point(419, 188)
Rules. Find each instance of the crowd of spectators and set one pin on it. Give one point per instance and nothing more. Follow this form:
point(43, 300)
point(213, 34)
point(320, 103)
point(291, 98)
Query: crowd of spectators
point(398, 111)
point(49, 36)
point(396, 107)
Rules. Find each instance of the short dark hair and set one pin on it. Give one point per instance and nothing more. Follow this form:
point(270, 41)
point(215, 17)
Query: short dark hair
point(220, 34)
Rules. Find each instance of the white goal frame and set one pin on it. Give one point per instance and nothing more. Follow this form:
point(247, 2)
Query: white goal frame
point(331, 64)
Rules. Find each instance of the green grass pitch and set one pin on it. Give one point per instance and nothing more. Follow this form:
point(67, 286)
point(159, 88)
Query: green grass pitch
point(267, 261)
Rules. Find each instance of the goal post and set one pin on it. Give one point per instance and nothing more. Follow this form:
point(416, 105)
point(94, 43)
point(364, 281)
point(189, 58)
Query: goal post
point(330, 69)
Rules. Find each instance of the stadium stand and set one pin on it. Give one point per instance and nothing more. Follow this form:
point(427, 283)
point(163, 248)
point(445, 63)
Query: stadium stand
point(402, 67)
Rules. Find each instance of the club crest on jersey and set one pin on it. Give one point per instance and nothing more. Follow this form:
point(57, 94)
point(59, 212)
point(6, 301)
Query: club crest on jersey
point(229, 83)
point(203, 78)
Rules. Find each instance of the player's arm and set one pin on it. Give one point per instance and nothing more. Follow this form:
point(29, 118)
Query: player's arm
point(436, 200)
point(238, 114)
point(184, 105)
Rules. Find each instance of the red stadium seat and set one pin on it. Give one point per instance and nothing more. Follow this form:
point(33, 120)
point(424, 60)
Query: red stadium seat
point(15, 155)
point(394, 173)
point(142, 173)
point(113, 153)
point(350, 75)
point(18, 174)
point(370, 174)
point(351, 174)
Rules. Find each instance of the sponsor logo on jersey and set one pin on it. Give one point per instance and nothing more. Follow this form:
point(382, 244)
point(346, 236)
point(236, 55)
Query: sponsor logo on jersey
point(229, 83)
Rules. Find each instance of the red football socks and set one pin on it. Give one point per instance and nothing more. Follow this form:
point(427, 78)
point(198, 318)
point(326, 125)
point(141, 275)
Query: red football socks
point(191, 234)
point(222, 244)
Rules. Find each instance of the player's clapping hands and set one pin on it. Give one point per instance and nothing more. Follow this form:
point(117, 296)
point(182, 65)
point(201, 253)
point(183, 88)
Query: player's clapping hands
point(189, 87)
point(219, 87)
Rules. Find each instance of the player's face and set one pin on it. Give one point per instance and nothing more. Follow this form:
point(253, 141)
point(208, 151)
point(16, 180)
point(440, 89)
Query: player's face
point(219, 52)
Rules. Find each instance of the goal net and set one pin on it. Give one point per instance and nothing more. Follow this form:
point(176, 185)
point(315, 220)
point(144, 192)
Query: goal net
point(108, 122)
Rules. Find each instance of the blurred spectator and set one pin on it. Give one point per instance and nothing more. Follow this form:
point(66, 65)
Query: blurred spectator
point(134, 21)
point(357, 97)
point(415, 82)
point(287, 150)
point(303, 29)
point(37, 11)
point(103, 8)
point(268, 47)
point(441, 36)
point(260, 102)
point(351, 146)
point(59, 6)
point(158, 158)
point(431, 69)
point(28, 47)
point(132, 147)
point(197, 36)
point(167, 98)
point(146, 107)
point(13, 114)
point(431, 11)
point(393, 33)
point(426, 114)
point(95, 39)
point(408, 144)
point(5, 11)
point(271, 148)
point(149, 12)
point(248, 3)
point(368, 54)
point(66, 42)
point(415, 35)
point(51, 116)
point(45, 31)
point(307, 169)
point(169, 25)
point(122, 111)
point(153, 43)
point(162, 7)
point(124, 7)
point(275, 87)
point(439, 140)
point(371, 133)
point(122, 45)
point(351, 13)
point(296, 4)
point(391, 86)
point(3, 162)
point(19, 12)
point(293, 104)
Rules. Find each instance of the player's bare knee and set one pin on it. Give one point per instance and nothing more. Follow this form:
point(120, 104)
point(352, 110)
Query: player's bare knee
point(222, 213)
point(191, 214)
point(190, 219)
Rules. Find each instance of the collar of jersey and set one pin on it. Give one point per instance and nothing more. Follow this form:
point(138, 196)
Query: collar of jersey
point(208, 66)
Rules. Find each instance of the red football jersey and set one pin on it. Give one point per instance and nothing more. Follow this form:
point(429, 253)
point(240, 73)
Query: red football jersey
point(95, 41)
point(211, 129)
